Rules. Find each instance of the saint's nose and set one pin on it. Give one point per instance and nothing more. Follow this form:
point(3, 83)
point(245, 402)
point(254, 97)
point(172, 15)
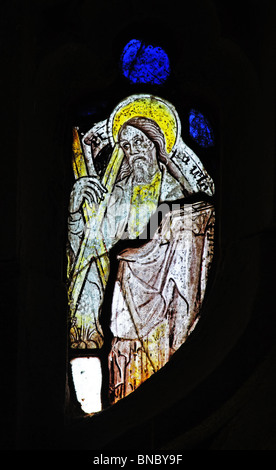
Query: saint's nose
point(132, 148)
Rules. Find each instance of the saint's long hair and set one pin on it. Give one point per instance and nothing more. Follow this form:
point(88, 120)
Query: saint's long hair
point(151, 129)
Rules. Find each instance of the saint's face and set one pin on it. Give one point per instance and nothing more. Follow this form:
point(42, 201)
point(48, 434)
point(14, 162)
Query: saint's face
point(140, 152)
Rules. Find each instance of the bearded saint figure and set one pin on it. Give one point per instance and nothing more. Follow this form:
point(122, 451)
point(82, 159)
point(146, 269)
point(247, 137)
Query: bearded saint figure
point(160, 285)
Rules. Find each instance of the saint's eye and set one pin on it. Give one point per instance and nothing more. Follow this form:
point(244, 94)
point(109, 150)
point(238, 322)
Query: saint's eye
point(125, 146)
point(138, 141)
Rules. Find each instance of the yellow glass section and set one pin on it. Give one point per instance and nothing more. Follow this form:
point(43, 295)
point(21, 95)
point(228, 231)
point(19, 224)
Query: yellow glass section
point(144, 203)
point(78, 161)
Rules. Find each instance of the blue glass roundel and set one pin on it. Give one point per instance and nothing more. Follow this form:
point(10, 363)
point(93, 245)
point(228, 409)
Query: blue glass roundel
point(200, 129)
point(143, 63)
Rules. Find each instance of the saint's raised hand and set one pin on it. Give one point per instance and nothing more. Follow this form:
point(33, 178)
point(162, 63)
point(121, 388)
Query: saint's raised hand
point(87, 188)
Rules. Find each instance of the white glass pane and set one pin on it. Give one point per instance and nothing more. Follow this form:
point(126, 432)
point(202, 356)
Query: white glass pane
point(87, 378)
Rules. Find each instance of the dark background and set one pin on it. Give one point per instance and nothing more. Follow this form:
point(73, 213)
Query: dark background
point(59, 67)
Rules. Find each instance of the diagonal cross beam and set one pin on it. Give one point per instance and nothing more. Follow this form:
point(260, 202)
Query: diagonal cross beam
point(92, 246)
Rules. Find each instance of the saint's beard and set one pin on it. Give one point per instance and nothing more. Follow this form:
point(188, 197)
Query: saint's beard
point(143, 171)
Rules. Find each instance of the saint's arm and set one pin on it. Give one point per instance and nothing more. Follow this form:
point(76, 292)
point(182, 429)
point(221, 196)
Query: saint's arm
point(112, 226)
point(75, 231)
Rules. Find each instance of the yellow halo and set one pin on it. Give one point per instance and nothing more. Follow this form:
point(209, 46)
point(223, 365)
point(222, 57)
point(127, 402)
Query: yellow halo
point(152, 107)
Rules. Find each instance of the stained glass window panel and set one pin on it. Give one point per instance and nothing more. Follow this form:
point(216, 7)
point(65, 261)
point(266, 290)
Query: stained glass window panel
point(148, 294)
point(200, 129)
point(142, 63)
